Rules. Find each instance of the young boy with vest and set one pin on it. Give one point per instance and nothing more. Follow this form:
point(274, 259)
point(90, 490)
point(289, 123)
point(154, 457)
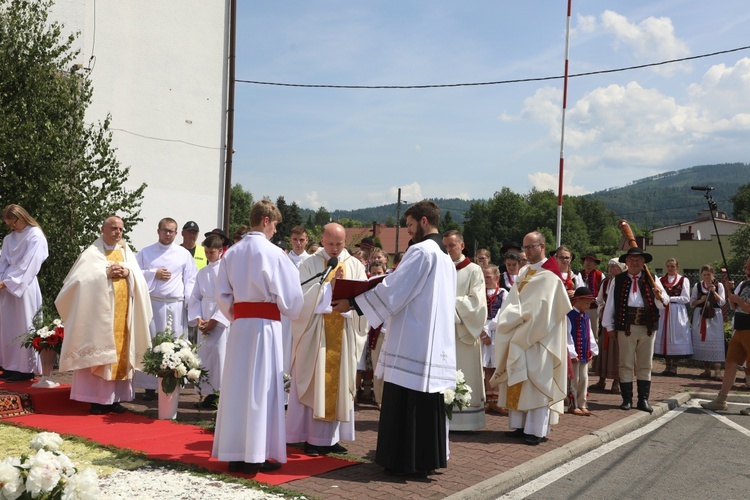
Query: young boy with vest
point(582, 348)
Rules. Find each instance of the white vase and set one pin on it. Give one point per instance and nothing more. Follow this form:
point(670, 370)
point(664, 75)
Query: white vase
point(47, 358)
point(168, 402)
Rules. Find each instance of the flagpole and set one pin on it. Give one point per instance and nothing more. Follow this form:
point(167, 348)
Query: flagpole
point(562, 131)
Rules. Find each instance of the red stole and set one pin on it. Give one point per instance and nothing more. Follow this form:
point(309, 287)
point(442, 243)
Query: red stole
point(463, 264)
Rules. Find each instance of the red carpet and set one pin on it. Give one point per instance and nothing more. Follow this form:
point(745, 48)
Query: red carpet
point(160, 439)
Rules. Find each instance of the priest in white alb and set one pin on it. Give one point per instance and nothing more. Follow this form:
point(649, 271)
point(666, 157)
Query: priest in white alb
point(471, 314)
point(531, 346)
point(325, 352)
point(256, 285)
point(105, 307)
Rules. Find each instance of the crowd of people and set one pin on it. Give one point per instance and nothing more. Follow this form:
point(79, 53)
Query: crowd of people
point(525, 332)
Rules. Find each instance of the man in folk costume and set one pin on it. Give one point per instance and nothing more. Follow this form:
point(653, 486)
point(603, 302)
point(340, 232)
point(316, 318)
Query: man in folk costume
point(530, 346)
point(418, 360)
point(592, 279)
point(471, 313)
point(105, 307)
point(325, 350)
point(632, 310)
point(256, 284)
point(170, 274)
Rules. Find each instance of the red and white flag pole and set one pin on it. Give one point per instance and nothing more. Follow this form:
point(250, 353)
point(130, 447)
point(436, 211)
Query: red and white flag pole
point(562, 132)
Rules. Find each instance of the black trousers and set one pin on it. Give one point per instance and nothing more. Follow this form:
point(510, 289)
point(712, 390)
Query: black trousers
point(412, 430)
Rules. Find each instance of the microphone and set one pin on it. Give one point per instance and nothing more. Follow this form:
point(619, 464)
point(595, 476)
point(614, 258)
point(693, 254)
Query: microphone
point(702, 188)
point(332, 263)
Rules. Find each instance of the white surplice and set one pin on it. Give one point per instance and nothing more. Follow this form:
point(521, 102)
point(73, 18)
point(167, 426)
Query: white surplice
point(168, 298)
point(22, 256)
point(212, 346)
point(250, 421)
point(306, 416)
point(471, 314)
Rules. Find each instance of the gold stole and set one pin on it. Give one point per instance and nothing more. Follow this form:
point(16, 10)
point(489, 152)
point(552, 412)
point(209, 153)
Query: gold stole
point(122, 302)
point(334, 333)
point(513, 394)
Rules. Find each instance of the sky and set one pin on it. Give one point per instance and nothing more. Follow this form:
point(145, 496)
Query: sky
point(354, 148)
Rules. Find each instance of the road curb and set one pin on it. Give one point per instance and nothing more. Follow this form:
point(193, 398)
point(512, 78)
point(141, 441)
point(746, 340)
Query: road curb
point(502, 483)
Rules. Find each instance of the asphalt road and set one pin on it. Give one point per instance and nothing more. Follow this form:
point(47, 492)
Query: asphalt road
point(688, 453)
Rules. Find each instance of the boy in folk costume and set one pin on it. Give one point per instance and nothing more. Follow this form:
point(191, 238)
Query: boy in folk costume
point(581, 348)
point(495, 296)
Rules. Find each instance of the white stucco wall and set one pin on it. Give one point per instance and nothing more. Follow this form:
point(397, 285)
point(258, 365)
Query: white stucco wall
point(670, 235)
point(160, 70)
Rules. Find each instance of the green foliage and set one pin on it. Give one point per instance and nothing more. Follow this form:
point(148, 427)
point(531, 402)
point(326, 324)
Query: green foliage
point(740, 242)
point(741, 203)
point(61, 170)
point(240, 203)
point(290, 217)
point(322, 217)
point(447, 223)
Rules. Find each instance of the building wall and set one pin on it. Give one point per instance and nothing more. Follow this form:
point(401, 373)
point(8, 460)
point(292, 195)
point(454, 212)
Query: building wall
point(671, 234)
point(691, 254)
point(160, 70)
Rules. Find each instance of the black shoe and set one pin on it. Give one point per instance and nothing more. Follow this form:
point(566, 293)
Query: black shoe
point(20, 377)
point(208, 403)
point(236, 466)
point(117, 408)
point(97, 409)
point(626, 405)
point(337, 448)
point(268, 466)
point(518, 433)
point(533, 440)
point(311, 450)
point(150, 395)
point(644, 406)
point(7, 374)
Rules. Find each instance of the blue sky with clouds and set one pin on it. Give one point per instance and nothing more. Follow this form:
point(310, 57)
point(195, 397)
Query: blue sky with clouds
point(345, 148)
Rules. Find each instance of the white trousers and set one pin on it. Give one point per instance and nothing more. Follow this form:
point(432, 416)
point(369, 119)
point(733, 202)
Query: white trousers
point(534, 421)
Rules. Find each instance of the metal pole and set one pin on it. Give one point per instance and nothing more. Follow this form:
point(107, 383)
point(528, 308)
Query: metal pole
point(230, 112)
point(398, 219)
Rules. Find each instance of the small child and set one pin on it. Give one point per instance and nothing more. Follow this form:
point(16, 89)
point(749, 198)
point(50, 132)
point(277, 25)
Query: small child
point(204, 312)
point(581, 348)
point(495, 297)
point(374, 341)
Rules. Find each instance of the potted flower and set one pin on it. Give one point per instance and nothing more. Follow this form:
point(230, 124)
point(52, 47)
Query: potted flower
point(47, 340)
point(174, 360)
point(460, 397)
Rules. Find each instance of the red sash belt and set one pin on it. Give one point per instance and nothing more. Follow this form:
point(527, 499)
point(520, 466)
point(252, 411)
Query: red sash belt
point(264, 310)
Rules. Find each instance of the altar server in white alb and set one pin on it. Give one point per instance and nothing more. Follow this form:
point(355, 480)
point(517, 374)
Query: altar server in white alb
point(213, 326)
point(325, 352)
point(256, 285)
point(105, 307)
point(471, 313)
point(170, 272)
point(418, 359)
point(24, 251)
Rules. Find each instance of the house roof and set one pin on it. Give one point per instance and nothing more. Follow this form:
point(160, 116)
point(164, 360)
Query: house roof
point(386, 235)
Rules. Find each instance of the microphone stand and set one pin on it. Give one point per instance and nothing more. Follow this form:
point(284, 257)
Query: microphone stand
point(321, 273)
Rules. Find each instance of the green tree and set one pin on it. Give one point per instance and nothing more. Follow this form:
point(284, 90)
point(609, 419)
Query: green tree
point(322, 217)
point(240, 203)
point(741, 203)
point(447, 223)
point(63, 171)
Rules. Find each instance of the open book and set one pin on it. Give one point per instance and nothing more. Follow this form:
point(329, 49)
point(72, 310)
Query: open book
point(346, 289)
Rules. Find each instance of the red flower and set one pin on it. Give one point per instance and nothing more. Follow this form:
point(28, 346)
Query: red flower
point(37, 343)
point(53, 339)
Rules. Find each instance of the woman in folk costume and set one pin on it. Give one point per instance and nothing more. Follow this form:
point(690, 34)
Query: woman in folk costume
point(24, 251)
point(607, 363)
point(708, 323)
point(512, 266)
point(495, 298)
point(571, 279)
point(673, 339)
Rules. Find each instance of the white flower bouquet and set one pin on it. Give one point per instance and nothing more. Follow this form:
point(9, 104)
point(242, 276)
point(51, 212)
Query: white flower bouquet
point(174, 359)
point(460, 397)
point(47, 474)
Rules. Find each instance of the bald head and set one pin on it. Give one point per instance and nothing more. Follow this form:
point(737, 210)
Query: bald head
point(112, 230)
point(333, 239)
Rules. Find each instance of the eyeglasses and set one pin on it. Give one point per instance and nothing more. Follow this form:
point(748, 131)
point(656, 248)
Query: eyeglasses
point(526, 248)
point(168, 232)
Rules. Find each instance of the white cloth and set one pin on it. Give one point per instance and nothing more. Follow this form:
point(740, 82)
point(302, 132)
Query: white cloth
point(673, 337)
point(298, 259)
point(202, 304)
point(308, 400)
point(86, 304)
point(471, 314)
point(490, 326)
point(417, 303)
point(250, 420)
point(533, 422)
point(22, 256)
point(168, 298)
point(712, 348)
